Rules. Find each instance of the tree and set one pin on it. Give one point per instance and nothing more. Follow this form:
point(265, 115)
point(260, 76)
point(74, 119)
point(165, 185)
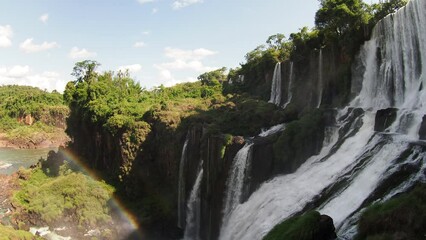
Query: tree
point(381, 10)
point(338, 17)
point(85, 71)
point(276, 41)
point(213, 78)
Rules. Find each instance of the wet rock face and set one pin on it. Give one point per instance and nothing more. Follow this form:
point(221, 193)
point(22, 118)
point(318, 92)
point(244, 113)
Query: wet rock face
point(422, 131)
point(326, 228)
point(384, 119)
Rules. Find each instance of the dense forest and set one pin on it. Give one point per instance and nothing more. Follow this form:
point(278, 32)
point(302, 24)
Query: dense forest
point(134, 138)
point(30, 117)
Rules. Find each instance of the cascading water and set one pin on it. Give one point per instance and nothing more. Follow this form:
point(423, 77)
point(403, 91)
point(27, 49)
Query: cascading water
point(349, 168)
point(320, 80)
point(290, 83)
point(241, 78)
point(276, 86)
point(395, 61)
point(235, 182)
point(181, 185)
point(193, 213)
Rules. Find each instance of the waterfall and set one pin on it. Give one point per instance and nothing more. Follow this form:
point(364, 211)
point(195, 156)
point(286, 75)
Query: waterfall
point(235, 182)
point(352, 166)
point(276, 85)
point(290, 85)
point(241, 78)
point(320, 80)
point(237, 175)
point(181, 185)
point(193, 213)
point(395, 61)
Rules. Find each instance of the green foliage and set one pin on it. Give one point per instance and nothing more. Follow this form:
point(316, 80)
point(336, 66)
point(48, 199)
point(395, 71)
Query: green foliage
point(73, 195)
point(227, 140)
point(213, 78)
point(296, 228)
point(303, 42)
point(8, 233)
point(112, 111)
point(85, 70)
point(47, 110)
point(240, 116)
point(339, 17)
point(35, 133)
point(387, 7)
point(299, 141)
point(117, 103)
point(16, 102)
point(403, 217)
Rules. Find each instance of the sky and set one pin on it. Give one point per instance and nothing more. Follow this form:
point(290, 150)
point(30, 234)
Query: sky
point(158, 41)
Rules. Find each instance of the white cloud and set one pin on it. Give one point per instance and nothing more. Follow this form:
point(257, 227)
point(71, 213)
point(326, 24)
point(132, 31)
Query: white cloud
point(6, 34)
point(44, 18)
point(196, 54)
point(29, 47)
point(164, 73)
point(77, 53)
point(139, 44)
point(194, 65)
point(22, 75)
point(17, 71)
point(134, 68)
point(189, 60)
point(173, 82)
point(154, 10)
point(178, 4)
point(145, 1)
point(146, 32)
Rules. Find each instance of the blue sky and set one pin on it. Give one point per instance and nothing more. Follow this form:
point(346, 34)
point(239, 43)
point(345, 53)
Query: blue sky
point(160, 41)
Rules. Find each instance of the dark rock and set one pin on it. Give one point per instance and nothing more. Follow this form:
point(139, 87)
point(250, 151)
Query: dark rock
point(326, 229)
point(422, 131)
point(384, 119)
point(330, 117)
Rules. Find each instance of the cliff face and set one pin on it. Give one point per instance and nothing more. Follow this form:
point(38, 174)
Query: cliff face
point(146, 158)
point(317, 78)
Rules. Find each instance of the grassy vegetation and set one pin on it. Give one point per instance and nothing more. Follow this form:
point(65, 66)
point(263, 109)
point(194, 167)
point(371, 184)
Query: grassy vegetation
point(47, 112)
point(22, 100)
point(71, 195)
point(37, 133)
point(241, 115)
point(296, 228)
point(8, 233)
point(403, 217)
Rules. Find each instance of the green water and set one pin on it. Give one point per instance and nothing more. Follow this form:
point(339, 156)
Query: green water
point(12, 159)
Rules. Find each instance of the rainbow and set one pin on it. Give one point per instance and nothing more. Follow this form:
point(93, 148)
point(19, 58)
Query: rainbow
point(130, 226)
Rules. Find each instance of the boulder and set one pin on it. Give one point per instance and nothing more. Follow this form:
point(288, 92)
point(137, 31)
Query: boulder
point(384, 119)
point(326, 229)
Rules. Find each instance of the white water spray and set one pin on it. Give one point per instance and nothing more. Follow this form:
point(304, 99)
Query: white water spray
point(193, 216)
point(396, 79)
point(235, 182)
point(181, 185)
point(320, 78)
point(276, 86)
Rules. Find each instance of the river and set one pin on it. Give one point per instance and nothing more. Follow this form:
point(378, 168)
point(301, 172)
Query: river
point(12, 159)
